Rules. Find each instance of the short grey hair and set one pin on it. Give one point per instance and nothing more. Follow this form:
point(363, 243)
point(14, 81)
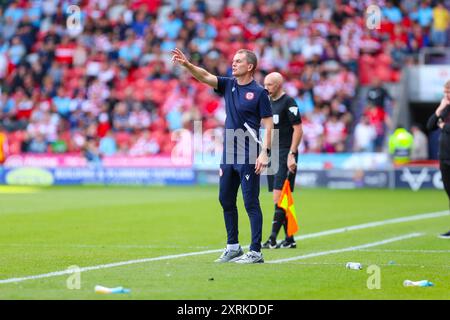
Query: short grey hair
point(251, 58)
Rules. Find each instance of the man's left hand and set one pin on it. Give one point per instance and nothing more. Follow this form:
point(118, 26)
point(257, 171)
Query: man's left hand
point(261, 162)
point(291, 163)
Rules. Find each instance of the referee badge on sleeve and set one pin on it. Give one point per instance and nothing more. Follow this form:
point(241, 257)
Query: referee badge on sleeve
point(276, 119)
point(294, 110)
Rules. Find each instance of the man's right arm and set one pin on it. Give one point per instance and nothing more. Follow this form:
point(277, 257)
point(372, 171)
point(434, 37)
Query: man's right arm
point(198, 73)
point(441, 111)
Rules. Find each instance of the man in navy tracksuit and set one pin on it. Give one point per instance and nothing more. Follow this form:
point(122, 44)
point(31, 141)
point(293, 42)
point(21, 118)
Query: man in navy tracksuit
point(247, 106)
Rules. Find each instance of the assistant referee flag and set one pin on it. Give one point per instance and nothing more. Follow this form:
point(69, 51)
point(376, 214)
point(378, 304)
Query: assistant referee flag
point(286, 202)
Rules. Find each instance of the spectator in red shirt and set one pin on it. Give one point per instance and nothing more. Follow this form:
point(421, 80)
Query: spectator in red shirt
point(380, 120)
point(65, 51)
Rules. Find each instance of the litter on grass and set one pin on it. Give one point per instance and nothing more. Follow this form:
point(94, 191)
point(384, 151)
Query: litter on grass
point(105, 290)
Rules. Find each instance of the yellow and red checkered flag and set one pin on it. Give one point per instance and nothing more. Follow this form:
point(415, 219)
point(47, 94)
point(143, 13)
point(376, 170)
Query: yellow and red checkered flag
point(286, 202)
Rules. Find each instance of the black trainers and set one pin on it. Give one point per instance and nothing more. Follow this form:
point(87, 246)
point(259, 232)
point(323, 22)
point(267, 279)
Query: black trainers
point(445, 235)
point(287, 244)
point(269, 244)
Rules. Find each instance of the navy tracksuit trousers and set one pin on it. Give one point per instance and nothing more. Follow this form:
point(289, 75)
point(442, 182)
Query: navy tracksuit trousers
point(231, 177)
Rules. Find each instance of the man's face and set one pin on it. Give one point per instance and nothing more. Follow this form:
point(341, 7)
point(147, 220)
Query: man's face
point(240, 65)
point(271, 86)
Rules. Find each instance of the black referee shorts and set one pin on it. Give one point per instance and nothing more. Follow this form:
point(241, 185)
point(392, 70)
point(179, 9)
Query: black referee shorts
point(276, 180)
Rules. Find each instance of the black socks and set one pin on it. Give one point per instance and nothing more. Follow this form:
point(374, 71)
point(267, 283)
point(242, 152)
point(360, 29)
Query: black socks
point(279, 219)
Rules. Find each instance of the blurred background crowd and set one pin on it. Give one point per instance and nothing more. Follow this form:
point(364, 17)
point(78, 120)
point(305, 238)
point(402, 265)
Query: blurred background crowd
point(108, 87)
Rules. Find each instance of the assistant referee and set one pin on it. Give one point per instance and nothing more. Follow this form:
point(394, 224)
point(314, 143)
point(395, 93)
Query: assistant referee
point(440, 119)
point(288, 122)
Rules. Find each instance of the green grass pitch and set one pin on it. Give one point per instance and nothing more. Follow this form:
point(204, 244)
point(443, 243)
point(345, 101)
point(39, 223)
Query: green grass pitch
point(44, 230)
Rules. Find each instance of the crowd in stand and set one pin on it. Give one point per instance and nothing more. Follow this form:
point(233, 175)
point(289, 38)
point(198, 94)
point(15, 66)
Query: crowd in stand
point(106, 86)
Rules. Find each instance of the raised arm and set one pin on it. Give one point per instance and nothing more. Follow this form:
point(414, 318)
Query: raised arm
point(433, 121)
point(198, 73)
point(441, 110)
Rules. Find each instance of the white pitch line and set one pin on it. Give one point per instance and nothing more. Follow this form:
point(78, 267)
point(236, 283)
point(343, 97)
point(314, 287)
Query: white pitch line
point(406, 251)
point(107, 246)
point(302, 237)
point(393, 265)
point(375, 224)
point(106, 266)
point(353, 248)
point(306, 236)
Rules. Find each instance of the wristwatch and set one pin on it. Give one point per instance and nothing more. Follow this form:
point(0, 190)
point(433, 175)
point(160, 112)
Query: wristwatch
point(267, 151)
point(292, 152)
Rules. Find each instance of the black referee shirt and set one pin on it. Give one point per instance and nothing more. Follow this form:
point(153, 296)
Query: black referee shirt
point(444, 140)
point(285, 115)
